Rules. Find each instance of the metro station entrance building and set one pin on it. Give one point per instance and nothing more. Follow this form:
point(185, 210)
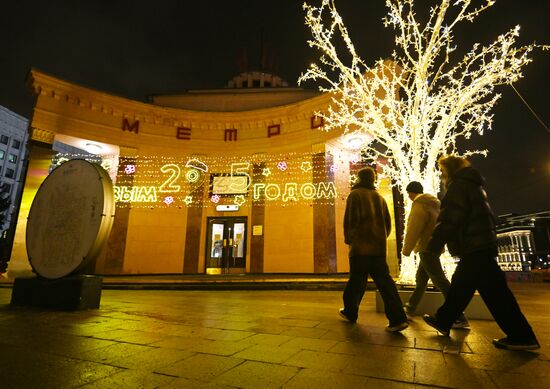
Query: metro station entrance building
point(236, 180)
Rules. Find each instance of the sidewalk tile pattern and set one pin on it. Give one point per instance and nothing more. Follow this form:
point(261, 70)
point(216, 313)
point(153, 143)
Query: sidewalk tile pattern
point(257, 339)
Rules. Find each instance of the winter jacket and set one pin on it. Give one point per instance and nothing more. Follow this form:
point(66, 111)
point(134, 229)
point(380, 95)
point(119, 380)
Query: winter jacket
point(367, 222)
point(421, 222)
point(466, 222)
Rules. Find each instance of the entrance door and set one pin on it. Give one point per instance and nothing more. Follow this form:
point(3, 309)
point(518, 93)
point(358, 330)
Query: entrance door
point(226, 245)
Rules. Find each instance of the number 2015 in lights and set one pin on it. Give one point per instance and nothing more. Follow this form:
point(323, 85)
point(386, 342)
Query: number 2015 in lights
point(271, 192)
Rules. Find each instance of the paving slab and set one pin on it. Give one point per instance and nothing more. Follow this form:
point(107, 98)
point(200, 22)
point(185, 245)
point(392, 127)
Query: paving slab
point(252, 375)
point(257, 339)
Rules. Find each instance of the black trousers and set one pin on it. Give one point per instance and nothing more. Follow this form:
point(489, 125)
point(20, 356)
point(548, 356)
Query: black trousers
point(360, 268)
point(480, 271)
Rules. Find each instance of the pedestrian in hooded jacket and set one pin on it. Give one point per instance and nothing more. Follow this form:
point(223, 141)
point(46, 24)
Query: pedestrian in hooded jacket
point(467, 225)
point(420, 224)
point(367, 224)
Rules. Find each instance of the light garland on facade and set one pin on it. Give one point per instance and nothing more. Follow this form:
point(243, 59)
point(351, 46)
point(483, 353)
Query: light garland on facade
point(282, 179)
point(415, 106)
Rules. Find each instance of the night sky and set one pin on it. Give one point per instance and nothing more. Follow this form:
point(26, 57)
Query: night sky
point(135, 48)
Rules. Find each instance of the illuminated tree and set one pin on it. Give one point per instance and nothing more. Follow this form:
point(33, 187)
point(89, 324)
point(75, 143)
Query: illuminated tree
point(416, 104)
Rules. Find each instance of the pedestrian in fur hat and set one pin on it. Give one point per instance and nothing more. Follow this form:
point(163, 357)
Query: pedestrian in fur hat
point(367, 224)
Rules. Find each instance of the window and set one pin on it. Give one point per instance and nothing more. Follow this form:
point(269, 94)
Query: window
point(16, 144)
point(4, 139)
point(10, 173)
point(12, 158)
point(1, 154)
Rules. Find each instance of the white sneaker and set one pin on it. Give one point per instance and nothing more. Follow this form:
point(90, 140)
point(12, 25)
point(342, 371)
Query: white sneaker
point(461, 323)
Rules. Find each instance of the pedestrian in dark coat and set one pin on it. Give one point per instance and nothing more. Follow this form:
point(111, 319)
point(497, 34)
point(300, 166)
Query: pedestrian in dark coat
point(367, 224)
point(467, 225)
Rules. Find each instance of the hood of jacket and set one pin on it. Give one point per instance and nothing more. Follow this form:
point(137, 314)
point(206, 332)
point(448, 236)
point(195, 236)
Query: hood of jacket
point(428, 201)
point(466, 222)
point(470, 174)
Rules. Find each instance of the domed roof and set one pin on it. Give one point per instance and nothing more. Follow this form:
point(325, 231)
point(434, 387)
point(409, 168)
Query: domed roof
point(256, 79)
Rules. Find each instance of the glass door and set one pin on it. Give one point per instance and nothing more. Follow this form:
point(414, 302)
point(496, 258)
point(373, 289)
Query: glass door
point(226, 245)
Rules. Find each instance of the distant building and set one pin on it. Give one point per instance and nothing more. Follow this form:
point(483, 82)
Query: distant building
point(524, 241)
point(13, 139)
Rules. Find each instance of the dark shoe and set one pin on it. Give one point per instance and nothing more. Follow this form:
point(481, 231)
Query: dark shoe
point(344, 315)
point(432, 322)
point(461, 323)
point(397, 327)
point(508, 344)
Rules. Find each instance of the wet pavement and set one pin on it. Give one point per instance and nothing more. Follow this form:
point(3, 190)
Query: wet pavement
point(256, 339)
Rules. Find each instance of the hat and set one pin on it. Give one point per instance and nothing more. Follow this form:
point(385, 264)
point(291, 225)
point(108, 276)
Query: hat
point(366, 176)
point(415, 187)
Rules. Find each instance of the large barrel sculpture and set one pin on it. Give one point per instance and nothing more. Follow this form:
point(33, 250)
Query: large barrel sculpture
point(70, 219)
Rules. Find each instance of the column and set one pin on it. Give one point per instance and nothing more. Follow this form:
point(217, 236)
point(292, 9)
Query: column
point(193, 230)
point(111, 259)
point(324, 224)
point(257, 219)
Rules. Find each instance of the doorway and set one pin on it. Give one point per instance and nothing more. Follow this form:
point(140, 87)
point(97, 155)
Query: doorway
point(226, 245)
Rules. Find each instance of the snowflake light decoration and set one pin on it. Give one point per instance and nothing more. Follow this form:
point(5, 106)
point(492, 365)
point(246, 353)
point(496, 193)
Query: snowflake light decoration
point(130, 169)
point(282, 166)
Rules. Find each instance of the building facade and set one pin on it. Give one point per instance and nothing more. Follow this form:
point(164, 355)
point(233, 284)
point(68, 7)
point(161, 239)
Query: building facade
point(211, 182)
point(524, 241)
point(13, 139)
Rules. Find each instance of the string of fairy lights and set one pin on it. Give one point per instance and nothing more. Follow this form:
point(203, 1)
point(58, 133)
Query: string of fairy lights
point(285, 179)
